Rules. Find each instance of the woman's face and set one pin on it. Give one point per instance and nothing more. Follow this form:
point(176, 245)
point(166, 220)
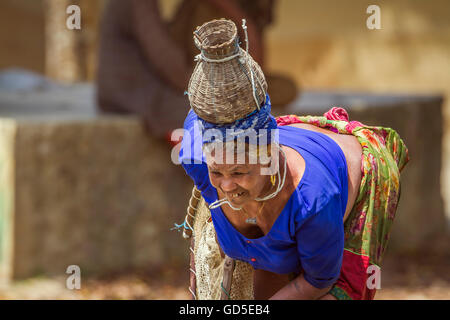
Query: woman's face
point(240, 183)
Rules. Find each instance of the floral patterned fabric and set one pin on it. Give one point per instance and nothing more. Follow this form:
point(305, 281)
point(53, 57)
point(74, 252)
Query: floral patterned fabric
point(369, 223)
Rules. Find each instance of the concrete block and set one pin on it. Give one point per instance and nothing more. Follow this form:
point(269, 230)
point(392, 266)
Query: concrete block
point(86, 189)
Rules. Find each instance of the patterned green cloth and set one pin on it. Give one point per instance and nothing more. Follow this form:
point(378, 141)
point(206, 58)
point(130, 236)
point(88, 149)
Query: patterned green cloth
point(369, 223)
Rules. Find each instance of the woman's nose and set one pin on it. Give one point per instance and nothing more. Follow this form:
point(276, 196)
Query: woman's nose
point(227, 185)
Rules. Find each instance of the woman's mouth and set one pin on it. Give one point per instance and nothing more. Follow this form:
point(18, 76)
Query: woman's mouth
point(235, 195)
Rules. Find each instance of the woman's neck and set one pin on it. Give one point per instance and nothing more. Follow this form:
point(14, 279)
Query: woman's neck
point(255, 205)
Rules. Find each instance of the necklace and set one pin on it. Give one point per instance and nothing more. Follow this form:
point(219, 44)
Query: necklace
point(253, 220)
point(250, 220)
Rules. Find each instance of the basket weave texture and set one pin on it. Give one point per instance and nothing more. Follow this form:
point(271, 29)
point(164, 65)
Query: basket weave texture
point(209, 262)
point(221, 92)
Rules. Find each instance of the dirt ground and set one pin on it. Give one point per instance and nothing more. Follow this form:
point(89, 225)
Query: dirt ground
point(404, 277)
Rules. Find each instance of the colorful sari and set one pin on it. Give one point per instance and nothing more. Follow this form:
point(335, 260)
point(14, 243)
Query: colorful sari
point(369, 223)
point(366, 229)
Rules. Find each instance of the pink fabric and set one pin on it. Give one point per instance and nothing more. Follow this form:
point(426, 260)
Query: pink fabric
point(354, 276)
point(287, 120)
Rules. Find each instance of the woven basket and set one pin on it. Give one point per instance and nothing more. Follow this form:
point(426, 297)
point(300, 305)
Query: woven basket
point(222, 92)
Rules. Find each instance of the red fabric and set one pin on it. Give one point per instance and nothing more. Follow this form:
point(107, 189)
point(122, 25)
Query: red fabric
point(341, 114)
point(353, 278)
point(336, 113)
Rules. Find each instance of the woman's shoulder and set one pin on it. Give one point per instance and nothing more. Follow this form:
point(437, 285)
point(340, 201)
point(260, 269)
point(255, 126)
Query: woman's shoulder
point(312, 189)
point(310, 183)
point(352, 151)
point(310, 202)
point(348, 143)
point(295, 164)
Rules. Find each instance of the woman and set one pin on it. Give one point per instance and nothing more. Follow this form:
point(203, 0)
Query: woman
point(308, 230)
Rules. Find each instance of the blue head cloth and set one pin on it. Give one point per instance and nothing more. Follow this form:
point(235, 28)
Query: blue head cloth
point(258, 124)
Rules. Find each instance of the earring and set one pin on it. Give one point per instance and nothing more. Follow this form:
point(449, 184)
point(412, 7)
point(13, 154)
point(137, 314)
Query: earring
point(273, 178)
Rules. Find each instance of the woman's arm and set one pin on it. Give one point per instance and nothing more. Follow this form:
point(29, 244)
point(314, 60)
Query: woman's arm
point(320, 243)
point(164, 55)
point(328, 297)
point(300, 289)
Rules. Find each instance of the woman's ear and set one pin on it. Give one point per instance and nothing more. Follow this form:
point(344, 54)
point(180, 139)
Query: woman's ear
point(270, 165)
point(264, 154)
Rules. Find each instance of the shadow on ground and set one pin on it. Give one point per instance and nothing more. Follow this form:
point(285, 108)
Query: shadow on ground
point(418, 276)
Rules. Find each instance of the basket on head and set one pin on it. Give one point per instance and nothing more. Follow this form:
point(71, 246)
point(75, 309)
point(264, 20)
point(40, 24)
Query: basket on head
point(227, 83)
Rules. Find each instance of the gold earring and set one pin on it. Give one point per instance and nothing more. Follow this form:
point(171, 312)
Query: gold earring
point(273, 178)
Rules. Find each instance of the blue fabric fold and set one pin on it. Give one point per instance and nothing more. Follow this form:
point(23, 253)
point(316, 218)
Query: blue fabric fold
point(255, 128)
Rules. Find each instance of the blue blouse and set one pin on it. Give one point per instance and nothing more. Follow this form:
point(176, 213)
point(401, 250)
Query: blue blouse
point(308, 235)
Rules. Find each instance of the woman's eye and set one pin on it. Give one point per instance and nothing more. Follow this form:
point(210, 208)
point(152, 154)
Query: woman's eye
point(215, 173)
point(238, 173)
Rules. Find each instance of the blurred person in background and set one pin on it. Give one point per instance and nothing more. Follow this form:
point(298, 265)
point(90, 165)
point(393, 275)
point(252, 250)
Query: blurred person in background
point(145, 63)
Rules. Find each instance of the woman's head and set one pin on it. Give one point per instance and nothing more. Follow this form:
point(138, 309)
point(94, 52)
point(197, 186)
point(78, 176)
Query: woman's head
point(228, 93)
point(240, 171)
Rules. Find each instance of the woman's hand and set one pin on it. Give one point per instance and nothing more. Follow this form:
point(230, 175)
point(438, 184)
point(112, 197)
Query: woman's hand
point(328, 297)
point(300, 289)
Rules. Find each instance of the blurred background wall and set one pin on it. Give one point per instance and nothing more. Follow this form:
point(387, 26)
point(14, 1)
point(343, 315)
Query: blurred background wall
point(320, 44)
point(326, 44)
